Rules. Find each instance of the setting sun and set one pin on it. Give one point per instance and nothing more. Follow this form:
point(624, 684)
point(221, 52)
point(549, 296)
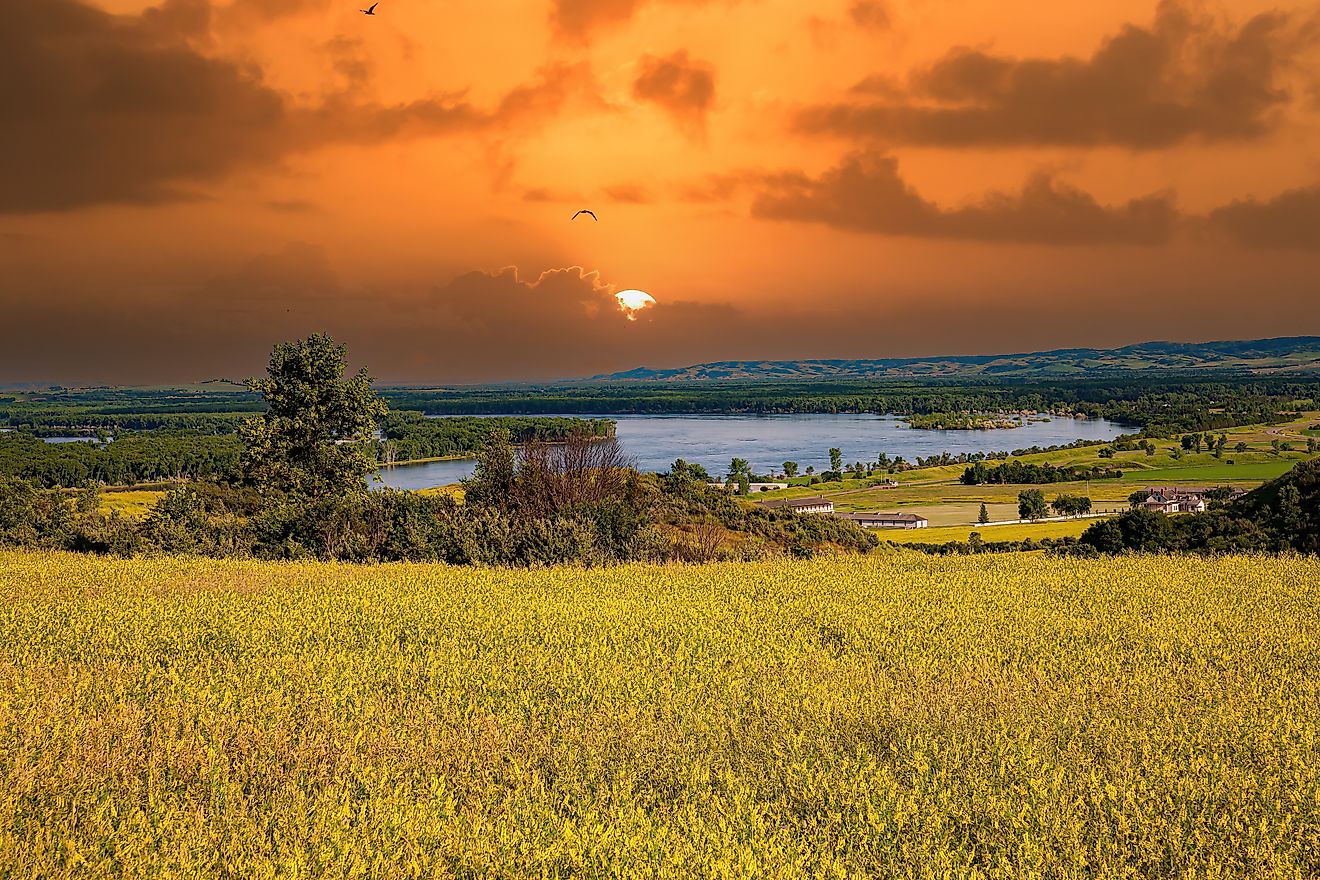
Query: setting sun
point(634, 300)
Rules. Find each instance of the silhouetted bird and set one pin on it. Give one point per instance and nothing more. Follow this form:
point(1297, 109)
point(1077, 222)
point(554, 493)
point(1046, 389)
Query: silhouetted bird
point(591, 214)
point(371, 11)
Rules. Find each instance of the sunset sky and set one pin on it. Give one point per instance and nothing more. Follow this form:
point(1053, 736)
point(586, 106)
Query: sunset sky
point(182, 184)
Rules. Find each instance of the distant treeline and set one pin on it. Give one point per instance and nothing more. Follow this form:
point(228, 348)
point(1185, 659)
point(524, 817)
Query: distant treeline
point(58, 411)
point(1162, 407)
point(410, 435)
point(1016, 472)
point(146, 456)
point(151, 456)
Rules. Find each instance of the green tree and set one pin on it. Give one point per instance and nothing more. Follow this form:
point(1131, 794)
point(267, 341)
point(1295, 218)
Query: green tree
point(836, 460)
point(1071, 505)
point(1291, 518)
point(1032, 505)
point(984, 516)
point(313, 439)
point(493, 482)
point(790, 469)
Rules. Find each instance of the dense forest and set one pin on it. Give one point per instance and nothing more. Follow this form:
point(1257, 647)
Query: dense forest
point(410, 435)
point(145, 456)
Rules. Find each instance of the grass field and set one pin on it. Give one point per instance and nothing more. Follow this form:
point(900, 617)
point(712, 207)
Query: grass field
point(1015, 532)
point(134, 503)
point(893, 716)
point(1213, 474)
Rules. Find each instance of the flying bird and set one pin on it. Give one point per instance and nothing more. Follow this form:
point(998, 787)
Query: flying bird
point(591, 214)
point(371, 11)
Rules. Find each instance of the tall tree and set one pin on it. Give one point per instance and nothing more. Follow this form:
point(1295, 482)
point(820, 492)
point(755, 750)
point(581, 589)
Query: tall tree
point(1032, 505)
point(984, 516)
point(790, 469)
point(836, 460)
point(314, 437)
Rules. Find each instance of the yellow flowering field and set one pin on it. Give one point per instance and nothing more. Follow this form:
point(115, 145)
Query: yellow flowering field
point(893, 716)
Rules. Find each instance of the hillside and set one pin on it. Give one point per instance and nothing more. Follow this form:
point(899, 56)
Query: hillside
point(1290, 355)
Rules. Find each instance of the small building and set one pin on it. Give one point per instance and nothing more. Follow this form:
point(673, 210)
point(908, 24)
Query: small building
point(886, 520)
point(801, 505)
point(1181, 499)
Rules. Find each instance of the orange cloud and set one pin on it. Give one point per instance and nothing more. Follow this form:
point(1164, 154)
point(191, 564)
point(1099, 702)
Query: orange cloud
point(682, 87)
point(121, 109)
point(865, 193)
point(1290, 220)
point(1182, 78)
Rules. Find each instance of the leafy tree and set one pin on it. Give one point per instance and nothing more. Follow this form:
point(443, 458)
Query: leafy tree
point(492, 483)
point(984, 516)
point(836, 460)
point(790, 469)
point(1138, 498)
point(311, 441)
point(1071, 505)
point(1291, 520)
point(1032, 505)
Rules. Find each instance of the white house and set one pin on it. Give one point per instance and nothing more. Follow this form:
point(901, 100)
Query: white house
point(802, 505)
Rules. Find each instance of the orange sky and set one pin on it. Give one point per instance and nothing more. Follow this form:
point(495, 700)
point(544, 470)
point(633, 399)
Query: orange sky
point(185, 183)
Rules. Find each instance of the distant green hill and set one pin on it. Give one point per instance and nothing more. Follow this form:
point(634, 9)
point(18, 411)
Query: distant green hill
point(1293, 355)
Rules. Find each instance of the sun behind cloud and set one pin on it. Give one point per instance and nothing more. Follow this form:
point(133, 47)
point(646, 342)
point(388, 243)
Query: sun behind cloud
point(633, 301)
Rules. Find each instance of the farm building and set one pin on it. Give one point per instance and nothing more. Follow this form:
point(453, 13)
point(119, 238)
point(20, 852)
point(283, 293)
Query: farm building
point(802, 505)
point(887, 520)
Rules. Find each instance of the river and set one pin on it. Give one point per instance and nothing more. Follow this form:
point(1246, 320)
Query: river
point(654, 442)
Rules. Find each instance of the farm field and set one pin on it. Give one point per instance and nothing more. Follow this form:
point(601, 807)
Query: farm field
point(890, 716)
point(1013, 532)
point(937, 494)
point(1214, 474)
point(135, 503)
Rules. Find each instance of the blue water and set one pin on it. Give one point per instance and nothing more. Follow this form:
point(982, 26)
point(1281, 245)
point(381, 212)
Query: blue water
point(653, 442)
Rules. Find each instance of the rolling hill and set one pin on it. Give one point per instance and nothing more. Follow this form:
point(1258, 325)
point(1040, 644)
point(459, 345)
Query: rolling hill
point(1290, 355)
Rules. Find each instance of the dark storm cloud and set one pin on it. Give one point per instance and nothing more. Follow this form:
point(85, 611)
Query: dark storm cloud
point(1185, 77)
point(866, 193)
point(1288, 221)
point(681, 86)
point(98, 108)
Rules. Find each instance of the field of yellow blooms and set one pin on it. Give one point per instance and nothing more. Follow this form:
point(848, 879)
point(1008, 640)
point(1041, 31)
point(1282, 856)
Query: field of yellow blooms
point(895, 716)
